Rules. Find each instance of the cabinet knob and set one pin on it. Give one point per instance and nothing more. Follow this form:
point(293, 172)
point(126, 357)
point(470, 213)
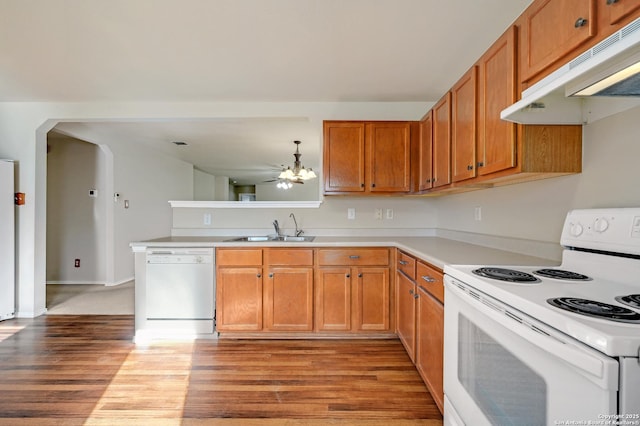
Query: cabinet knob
point(259, 275)
point(481, 164)
point(362, 185)
point(373, 185)
point(271, 275)
point(411, 291)
point(360, 275)
point(610, 2)
point(416, 295)
point(428, 180)
point(580, 22)
point(348, 275)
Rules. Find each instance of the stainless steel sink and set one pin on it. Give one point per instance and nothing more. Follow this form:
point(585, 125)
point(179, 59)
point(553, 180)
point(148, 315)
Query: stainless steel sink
point(271, 238)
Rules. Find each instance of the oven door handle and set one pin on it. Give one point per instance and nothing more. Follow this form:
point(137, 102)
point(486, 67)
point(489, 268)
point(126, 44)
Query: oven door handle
point(590, 364)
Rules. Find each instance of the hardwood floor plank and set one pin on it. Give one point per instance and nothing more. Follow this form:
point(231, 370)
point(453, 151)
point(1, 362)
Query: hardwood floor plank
point(85, 370)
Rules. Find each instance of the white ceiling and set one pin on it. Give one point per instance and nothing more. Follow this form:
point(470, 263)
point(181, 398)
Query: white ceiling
point(241, 50)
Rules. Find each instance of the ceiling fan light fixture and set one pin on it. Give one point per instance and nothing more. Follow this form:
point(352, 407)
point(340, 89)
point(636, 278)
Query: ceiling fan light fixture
point(299, 172)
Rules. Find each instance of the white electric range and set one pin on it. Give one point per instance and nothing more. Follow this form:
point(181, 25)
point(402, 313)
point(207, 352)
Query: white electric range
point(541, 345)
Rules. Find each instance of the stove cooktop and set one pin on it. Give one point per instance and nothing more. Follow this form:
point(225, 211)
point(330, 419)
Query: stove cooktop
point(618, 335)
point(596, 309)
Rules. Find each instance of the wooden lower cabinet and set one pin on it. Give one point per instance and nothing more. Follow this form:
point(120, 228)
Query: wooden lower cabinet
point(333, 299)
point(430, 344)
point(352, 299)
point(288, 299)
point(239, 299)
point(406, 311)
point(303, 290)
point(420, 320)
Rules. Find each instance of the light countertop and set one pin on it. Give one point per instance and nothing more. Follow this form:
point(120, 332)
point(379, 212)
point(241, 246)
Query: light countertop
point(434, 250)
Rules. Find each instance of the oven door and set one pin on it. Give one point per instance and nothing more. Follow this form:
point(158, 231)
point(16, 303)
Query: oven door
point(503, 367)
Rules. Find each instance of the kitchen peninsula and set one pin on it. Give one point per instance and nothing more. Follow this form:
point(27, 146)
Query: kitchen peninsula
point(331, 287)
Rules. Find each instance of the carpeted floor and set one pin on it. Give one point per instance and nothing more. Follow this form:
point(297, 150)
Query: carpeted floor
point(89, 299)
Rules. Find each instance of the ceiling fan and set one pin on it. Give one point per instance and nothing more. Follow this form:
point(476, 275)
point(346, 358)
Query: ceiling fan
point(297, 174)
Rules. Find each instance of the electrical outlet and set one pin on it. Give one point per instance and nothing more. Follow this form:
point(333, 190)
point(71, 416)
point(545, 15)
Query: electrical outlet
point(206, 219)
point(351, 213)
point(477, 214)
point(378, 214)
point(76, 263)
point(389, 214)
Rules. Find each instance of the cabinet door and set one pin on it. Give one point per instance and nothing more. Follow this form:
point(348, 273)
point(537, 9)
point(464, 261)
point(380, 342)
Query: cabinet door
point(406, 311)
point(442, 142)
point(497, 90)
point(430, 345)
point(620, 9)
point(239, 299)
point(343, 166)
point(288, 299)
point(463, 127)
point(552, 29)
point(333, 299)
point(424, 169)
point(371, 299)
point(389, 156)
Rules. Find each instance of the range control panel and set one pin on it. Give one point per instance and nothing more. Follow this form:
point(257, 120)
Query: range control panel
point(615, 230)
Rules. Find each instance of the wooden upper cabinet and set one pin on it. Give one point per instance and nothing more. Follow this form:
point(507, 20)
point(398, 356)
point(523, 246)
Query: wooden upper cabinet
point(497, 83)
point(367, 157)
point(423, 170)
point(551, 29)
point(463, 127)
point(620, 9)
point(388, 151)
point(442, 142)
point(344, 168)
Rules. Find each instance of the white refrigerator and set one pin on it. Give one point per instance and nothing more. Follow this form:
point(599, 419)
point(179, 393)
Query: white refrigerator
point(7, 241)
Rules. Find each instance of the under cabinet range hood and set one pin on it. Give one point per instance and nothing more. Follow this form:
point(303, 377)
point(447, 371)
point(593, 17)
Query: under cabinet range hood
point(602, 81)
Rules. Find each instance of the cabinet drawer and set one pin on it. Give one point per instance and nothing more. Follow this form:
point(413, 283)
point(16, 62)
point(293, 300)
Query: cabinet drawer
point(289, 256)
point(430, 280)
point(407, 264)
point(353, 256)
point(239, 257)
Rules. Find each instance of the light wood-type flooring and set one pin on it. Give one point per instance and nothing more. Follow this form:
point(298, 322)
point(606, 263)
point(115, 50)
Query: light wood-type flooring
point(85, 370)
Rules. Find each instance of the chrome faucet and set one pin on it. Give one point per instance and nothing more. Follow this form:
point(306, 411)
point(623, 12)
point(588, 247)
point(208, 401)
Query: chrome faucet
point(298, 231)
point(276, 225)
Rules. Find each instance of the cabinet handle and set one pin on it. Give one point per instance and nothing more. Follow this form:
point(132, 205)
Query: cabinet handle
point(403, 262)
point(428, 279)
point(354, 256)
point(469, 167)
point(610, 2)
point(580, 22)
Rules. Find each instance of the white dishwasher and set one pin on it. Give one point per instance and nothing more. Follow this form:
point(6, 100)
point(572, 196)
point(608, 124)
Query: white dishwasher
point(180, 284)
